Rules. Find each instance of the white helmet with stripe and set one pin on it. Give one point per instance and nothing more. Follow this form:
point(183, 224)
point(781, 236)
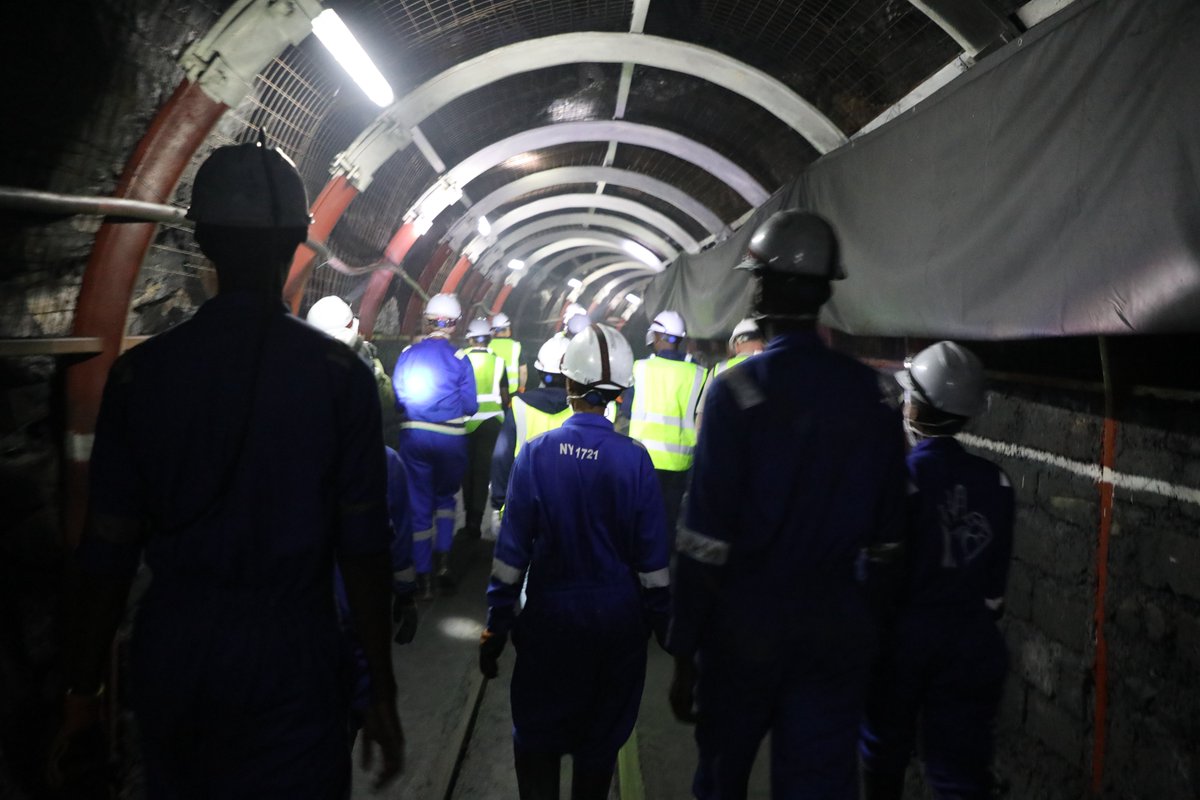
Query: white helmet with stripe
point(599, 358)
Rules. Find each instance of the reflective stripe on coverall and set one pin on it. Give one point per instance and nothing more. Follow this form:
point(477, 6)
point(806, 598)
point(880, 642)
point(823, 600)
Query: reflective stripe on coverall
point(598, 581)
point(790, 485)
point(435, 394)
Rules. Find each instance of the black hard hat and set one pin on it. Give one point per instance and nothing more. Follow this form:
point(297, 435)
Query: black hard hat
point(796, 243)
point(249, 186)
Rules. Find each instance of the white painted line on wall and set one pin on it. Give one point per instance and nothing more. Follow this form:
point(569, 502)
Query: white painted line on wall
point(1133, 483)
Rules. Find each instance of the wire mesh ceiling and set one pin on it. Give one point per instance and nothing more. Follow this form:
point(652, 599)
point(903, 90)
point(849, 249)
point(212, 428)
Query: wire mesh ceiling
point(505, 107)
point(850, 58)
point(419, 38)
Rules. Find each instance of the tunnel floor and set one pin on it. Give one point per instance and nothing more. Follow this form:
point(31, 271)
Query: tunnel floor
point(458, 730)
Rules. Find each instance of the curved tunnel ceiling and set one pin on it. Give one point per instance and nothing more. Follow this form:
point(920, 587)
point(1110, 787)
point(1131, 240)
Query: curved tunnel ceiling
point(557, 176)
point(619, 131)
point(559, 202)
point(664, 76)
point(616, 48)
point(535, 249)
point(635, 231)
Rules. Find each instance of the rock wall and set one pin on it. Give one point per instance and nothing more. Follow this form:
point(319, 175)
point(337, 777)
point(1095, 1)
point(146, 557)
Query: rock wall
point(1051, 444)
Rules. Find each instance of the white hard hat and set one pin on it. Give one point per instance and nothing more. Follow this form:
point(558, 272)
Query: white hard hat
point(573, 309)
point(667, 322)
point(747, 327)
point(479, 328)
point(948, 377)
point(443, 306)
point(550, 356)
point(577, 324)
point(249, 186)
point(599, 358)
point(500, 321)
point(333, 316)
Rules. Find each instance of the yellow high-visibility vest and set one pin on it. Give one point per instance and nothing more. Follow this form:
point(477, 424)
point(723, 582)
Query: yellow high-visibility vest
point(510, 351)
point(530, 422)
point(488, 368)
point(732, 361)
point(666, 394)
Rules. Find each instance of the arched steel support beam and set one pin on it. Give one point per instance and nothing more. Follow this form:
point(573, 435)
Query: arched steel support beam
point(607, 292)
point(609, 130)
point(462, 230)
point(535, 250)
point(582, 222)
point(533, 285)
point(971, 23)
point(618, 205)
point(602, 48)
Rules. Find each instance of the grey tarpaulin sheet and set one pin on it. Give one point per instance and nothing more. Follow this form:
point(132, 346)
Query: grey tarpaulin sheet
point(1054, 189)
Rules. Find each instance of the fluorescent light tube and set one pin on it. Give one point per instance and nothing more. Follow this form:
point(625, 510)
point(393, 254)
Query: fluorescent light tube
point(340, 42)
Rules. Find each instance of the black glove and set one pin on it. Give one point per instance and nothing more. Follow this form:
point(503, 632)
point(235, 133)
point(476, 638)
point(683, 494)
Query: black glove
point(491, 645)
point(404, 611)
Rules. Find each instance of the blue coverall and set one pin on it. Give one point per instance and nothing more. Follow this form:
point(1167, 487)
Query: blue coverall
point(435, 395)
point(248, 443)
point(799, 468)
point(944, 659)
point(403, 581)
point(584, 517)
point(550, 399)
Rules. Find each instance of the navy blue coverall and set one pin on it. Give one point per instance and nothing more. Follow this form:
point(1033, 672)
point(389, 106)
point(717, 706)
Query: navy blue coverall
point(404, 579)
point(435, 395)
point(944, 658)
point(237, 664)
point(585, 518)
point(799, 468)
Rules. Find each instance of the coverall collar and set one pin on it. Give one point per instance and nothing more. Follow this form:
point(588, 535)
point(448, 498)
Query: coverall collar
point(587, 421)
point(935, 443)
point(671, 355)
point(795, 339)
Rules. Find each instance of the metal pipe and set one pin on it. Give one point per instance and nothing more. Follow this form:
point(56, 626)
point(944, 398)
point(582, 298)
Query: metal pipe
point(18, 199)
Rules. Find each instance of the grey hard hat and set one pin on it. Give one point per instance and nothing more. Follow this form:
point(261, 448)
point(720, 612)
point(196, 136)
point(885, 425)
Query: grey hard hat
point(949, 377)
point(249, 186)
point(797, 243)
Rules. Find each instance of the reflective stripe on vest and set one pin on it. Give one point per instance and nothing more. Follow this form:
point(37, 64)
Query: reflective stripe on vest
point(531, 422)
point(486, 365)
point(509, 351)
point(454, 427)
point(729, 362)
point(663, 417)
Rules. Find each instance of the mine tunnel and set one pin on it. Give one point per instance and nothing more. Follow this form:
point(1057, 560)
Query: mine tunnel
point(1019, 177)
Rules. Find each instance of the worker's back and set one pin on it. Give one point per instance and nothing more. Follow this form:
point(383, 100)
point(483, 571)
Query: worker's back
point(801, 462)
point(236, 426)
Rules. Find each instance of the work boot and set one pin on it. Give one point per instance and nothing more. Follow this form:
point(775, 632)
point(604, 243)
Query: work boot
point(441, 570)
point(424, 587)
